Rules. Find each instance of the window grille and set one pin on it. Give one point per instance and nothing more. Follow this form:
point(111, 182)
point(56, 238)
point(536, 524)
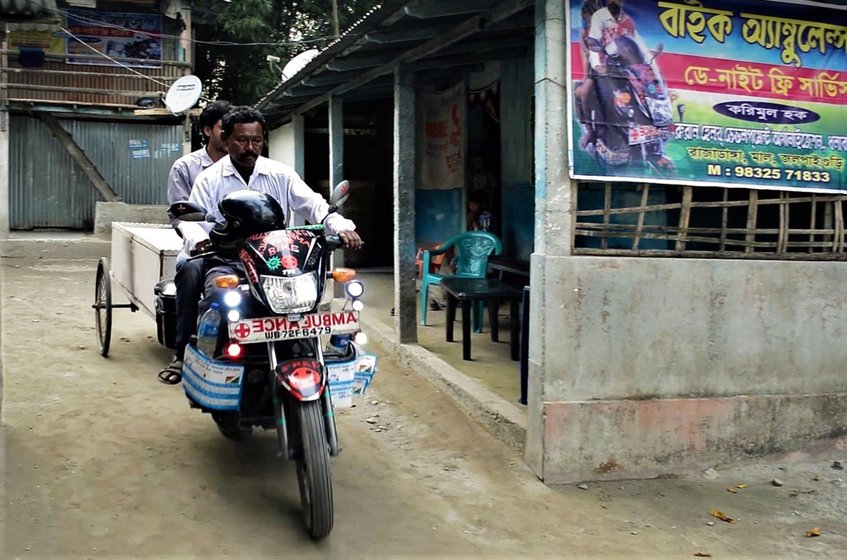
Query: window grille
point(708, 222)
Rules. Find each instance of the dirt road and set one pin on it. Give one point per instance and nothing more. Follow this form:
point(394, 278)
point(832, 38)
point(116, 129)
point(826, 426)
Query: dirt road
point(101, 460)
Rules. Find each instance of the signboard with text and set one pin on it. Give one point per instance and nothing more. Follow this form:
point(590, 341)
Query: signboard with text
point(116, 35)
point(748, 93)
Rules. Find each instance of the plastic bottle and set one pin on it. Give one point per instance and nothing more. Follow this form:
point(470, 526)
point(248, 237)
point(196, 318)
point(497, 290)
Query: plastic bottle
point(207, 331)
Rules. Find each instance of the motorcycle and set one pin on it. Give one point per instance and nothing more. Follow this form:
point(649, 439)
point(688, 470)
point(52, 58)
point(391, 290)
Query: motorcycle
point(267, 366)
point(632, 119)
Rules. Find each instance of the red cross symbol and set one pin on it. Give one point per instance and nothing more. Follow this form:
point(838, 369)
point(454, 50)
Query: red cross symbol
point(242, 330)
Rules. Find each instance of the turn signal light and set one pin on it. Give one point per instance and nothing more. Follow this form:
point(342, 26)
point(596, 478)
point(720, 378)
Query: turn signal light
point(233, 350)
point(343, 274)
point(227, 281)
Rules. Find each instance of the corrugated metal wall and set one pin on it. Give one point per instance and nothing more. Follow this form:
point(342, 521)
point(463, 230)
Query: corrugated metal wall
point(48, 190)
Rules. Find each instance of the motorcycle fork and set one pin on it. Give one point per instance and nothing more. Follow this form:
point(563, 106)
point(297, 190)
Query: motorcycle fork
point(279, 405)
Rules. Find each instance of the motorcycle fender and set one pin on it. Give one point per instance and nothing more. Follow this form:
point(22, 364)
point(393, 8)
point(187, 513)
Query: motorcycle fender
point(303, 378)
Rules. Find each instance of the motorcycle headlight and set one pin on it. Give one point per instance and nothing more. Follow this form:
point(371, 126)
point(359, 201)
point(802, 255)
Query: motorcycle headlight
point(291, 295)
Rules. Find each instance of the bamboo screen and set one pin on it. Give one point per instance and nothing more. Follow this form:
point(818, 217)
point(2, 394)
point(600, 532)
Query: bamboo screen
point(658, 220)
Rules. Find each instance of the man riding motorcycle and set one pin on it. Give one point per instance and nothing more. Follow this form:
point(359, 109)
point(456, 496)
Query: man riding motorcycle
point(243, 131)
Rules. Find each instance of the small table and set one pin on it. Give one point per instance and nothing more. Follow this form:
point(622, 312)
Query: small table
point(503, 265)
point(490, 290)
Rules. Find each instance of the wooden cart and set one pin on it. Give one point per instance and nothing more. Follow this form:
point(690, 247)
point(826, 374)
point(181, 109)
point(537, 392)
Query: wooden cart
point(142, 256)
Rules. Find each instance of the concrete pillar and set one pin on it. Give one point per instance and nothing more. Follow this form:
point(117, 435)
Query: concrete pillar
point(4, 142)
point(336, 166)
point(299, 133)
point(336, 141)
point(288, 145)
point(405, 302)
point(186, 55)
point(554, 197)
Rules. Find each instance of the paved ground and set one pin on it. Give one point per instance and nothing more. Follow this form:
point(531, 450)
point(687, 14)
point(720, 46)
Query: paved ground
point(100, 460)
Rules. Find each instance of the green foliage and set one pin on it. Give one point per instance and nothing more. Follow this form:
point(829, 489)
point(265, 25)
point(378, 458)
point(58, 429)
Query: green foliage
point(240, 73)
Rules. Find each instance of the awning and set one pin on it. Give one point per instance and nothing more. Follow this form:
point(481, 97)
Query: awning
point(427, 35)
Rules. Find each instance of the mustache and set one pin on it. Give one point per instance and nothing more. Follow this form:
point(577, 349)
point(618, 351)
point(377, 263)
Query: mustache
point(249, 154)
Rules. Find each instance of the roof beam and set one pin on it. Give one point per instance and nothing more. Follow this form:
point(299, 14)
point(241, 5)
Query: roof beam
point(500, 12)
point(417, 34)
point(327, 78)
point(448, 8)
point(475, 46)
point(451, 61)
point(359, 62)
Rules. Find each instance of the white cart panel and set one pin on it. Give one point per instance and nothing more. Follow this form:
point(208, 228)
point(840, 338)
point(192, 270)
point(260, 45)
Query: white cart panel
point(142, 255)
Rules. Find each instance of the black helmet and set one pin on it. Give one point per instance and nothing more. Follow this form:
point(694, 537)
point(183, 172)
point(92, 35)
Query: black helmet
point(246, 213)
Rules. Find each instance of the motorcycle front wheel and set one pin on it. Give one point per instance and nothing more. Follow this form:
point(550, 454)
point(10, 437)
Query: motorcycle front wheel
point(313, 474)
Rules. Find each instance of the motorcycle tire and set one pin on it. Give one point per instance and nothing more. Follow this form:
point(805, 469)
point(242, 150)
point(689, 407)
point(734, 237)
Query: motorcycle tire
point(229, 426)
point(313, 474)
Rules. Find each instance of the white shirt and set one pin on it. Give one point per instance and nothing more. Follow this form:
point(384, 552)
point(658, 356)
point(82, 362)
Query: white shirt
point(184, 172)
point(181, 178)
point(270, 177)
point(605, 28)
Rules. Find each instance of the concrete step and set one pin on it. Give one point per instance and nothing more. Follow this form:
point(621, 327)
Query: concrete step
point(55, 245)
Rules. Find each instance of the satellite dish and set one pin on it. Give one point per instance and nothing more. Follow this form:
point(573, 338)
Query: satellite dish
point(298, 63)
point(183, 94)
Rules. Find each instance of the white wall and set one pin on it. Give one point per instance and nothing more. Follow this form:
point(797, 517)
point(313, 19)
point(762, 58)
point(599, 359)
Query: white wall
point(281, 145)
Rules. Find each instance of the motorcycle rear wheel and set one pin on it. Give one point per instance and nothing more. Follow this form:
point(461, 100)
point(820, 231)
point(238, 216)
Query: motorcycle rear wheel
point(313, 474)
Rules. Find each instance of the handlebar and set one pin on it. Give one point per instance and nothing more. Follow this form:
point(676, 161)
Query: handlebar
point(333, 242)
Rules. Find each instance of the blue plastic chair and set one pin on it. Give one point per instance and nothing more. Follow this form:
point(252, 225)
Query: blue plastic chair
point(472, 251)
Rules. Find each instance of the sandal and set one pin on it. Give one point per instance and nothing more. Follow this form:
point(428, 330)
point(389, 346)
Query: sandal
point(172, 374)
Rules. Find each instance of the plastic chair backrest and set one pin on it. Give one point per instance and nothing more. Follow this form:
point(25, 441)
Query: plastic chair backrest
point(472, 251)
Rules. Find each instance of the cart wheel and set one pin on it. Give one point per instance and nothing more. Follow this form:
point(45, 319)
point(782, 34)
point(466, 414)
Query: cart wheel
point(103, 306)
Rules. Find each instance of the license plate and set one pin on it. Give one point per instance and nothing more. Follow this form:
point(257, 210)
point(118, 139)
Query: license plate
point(249, 331)
point(643, 134)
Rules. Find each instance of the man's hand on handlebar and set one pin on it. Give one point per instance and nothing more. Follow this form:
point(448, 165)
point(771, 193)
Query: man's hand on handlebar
point(350, 240)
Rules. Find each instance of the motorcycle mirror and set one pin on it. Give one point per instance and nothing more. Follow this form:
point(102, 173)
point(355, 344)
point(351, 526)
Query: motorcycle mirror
point(593, 44)
point(660, 48)
point(340, 193)
point(187, 211)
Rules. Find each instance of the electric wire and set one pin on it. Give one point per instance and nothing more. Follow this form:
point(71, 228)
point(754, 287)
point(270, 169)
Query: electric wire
point(196, 41)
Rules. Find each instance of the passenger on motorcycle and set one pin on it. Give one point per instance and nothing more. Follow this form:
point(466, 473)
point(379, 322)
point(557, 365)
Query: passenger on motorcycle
point(190, 273)
point(243, 131)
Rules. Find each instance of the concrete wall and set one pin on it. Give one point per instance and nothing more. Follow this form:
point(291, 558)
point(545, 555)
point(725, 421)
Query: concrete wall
point(281, 144)
point(660, 365)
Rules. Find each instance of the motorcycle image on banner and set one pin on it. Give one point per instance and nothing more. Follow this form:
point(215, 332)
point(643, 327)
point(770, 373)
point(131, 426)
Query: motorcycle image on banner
point(259, 359)
point(630, 116)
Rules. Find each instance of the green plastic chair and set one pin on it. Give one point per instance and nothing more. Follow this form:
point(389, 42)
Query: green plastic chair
point(472, 251)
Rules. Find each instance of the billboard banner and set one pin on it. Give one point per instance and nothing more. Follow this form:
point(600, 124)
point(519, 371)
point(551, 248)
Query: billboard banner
point(440, 132)
point(748, 93)
point(115, 34)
